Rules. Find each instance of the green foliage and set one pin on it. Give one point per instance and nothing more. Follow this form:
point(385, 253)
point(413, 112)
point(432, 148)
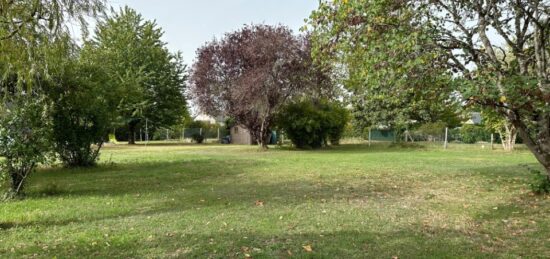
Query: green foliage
point(197, 138)
point(310, 124)
point(392, 79)
point(473, 133)
point(430, 130)
point(81, 114)
point(25, 139)
point(147, 80)
point(31, 29)
point(540, 183)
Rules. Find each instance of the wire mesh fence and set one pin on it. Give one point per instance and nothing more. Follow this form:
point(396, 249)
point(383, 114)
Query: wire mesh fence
point(186, 135)
point(430, 135)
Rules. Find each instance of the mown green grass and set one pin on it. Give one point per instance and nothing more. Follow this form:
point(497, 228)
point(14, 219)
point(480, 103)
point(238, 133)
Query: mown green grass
point(352, 201)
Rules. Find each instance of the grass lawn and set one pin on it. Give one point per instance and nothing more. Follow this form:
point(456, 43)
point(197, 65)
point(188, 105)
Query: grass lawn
point(352, 201)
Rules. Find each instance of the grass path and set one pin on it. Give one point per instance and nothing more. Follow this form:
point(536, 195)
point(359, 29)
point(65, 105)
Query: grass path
point(232, 201)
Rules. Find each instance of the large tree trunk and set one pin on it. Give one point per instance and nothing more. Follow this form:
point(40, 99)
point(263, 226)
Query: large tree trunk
point(540, 148)
point(508, 137)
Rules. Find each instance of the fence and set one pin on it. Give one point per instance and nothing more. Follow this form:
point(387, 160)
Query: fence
point(439, 136)
point(186, 134)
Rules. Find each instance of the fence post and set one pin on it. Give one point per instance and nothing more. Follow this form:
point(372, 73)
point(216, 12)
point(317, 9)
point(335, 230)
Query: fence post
point(146, 130)
point(492, 139)
point(140, 135)
point(183, 134)
point(218, 133)
point(446, 135)
point(369, 137)
point(167, 136)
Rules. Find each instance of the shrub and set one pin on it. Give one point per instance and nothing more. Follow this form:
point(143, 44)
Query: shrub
point(25, 139)
point(80, 117)
point(311, 124)
point(79, 131)
point(472, 133)
point(198, 138)
point(540, 183)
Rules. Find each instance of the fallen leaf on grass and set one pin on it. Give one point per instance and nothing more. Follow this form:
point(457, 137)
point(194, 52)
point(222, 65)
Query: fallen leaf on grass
point(308, 248)
point(259, 203)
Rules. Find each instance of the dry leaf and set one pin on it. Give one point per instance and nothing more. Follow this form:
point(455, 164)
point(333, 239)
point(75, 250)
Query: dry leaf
point(308, 248)
point(259, 203)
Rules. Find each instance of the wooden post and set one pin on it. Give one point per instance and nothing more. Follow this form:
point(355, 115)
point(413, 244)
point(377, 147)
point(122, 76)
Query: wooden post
point(446, 135)
point(167, 135)
point(492, 140)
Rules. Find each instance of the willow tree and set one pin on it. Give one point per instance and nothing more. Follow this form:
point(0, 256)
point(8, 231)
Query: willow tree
point(497, 52)
point(33, 37)
point(27, 26)
point(248, 74)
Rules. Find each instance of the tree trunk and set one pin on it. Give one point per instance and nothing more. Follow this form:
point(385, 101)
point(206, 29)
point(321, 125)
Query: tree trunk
point(540, 148)
point(508, 137)
point(263, 136)
point(17, 183)
point(18, 177)
point(132, 132)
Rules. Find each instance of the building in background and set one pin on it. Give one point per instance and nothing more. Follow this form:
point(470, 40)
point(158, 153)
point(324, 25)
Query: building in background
point(241, 136)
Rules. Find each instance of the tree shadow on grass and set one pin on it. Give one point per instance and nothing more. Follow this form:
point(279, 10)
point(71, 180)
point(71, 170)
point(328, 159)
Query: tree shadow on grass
point(406, 242)
point(357, 149)
point(180, 186)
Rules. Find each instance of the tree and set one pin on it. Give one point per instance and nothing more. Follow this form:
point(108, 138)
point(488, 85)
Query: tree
point(25, 139)
point(312, 124)
point(458, 32)
point(497, 123)
point(250, 73)
point(80, 113)
point(394, 78)
point(148, 80)
point(33, 35)
point(26, 26)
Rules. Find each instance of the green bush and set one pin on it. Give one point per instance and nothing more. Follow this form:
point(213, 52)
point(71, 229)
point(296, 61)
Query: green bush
point(197, 138)
point(472, 133)
point(81, 117)
point(540, 184)
point(25, 139)
point(311, 124)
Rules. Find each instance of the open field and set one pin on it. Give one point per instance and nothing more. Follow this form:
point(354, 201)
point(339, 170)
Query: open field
point(233, 201)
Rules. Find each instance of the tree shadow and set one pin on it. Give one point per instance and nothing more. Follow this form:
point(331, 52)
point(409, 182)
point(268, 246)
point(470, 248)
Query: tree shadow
point(405, 242)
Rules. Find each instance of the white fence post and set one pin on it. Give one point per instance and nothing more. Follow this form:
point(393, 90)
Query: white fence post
point(369, 137)
point(446, 135)
point(147, 130)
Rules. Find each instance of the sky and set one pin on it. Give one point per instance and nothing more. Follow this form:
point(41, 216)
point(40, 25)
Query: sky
point(188, 24)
